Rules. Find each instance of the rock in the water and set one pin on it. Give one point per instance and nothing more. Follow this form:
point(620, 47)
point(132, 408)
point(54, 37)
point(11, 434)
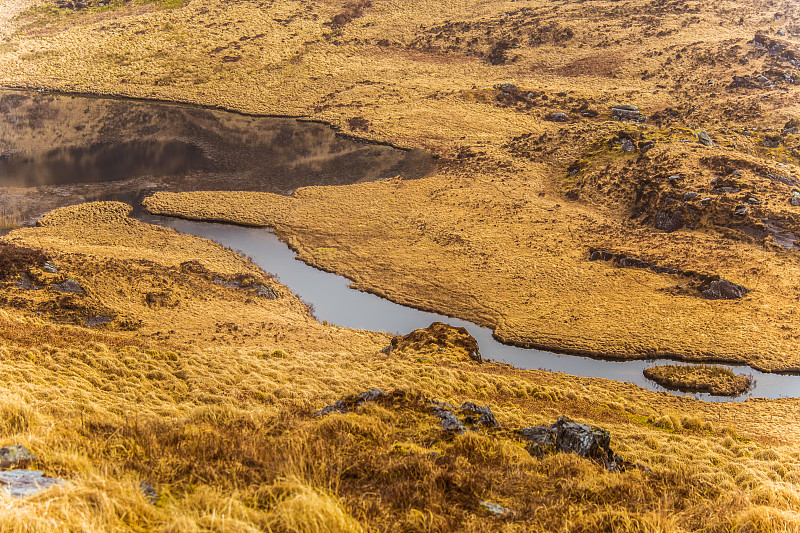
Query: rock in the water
point(479, 415)
point(346, 405)
point(21, 483)
point(669, 221)
point(495, 508)
point(11, 456)
point(149, 491)
point(723, 289)
point(70, 285)
point(704, 139)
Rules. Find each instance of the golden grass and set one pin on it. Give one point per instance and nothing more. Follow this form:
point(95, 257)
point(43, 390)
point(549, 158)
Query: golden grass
point(704, 378)
point(226, 435)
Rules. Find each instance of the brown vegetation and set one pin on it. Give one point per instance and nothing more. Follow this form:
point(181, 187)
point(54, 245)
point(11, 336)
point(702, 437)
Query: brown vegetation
point(713, 379)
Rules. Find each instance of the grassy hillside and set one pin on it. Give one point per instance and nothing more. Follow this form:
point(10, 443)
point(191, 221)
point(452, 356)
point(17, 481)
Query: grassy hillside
point(194, 381)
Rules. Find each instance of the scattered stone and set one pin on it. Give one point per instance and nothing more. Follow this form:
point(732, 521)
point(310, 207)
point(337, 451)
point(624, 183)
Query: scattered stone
point(149, 491)
point(449, 421)
point(494, 508)
point(690, 195)
point(70, 286)
point(479, 415)
point(50, 268)
point(22, 483)
point(674, 177)
point(669, 221)
point(348, 404)
point(704, 139)
point(795, 200)
point(627, 112)
point(570, 437)
point(229, 284)
point(723, 289)
point(628, 145)
point(13, 456)
point(772, 141)
point(741, 211)
point(646, 146)
point(388, 350)
point(559, 117)
point(99, 320)
point(25, 282)
point(262, 291)
point(754, 201)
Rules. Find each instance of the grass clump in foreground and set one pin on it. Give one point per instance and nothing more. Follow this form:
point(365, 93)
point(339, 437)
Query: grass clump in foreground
point(713, 379)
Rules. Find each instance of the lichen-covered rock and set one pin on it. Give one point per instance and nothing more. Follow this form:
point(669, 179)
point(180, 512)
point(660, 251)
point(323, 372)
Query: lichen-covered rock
point(450, 422)
point(477, 415)
point(14, 456)
point(570, 437)
point(438, 339)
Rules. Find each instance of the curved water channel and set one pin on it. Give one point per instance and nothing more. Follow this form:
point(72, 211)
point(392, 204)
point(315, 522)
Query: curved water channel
point(335, 302)
point(58, 149)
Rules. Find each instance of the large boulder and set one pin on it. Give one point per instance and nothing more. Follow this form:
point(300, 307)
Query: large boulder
point(723, 289)
point(570, 437)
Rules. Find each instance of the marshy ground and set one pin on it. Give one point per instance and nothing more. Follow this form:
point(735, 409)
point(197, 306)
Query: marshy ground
point(209, 396)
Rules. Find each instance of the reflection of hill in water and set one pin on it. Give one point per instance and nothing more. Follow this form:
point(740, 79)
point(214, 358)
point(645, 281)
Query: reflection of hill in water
point(48, 139)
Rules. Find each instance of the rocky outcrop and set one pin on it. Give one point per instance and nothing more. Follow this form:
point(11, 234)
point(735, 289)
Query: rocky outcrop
point(345, 405)
point(22, 483)
point(438, 338)
point(723, 289)
point(627, 112)
point(15, 456)
point(570, 437)
point(709, 286)
point(69, 286)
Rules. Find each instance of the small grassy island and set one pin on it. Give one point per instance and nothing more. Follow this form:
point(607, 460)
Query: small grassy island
point(713, 379)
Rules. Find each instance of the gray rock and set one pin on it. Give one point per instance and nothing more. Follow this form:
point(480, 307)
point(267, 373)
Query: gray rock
point(627, 112)
point(475, 355)
point(348, 404)
point(229, 284)
point(25, 283)
point(559, 117)
point(627, 145)
point(723, 289)
point(449, 421)
point(12, 456)
point(479, 415)
point(70, 286)
point(21, 483)
point(675, 177)
point(704, 139)
point(669, 221)
point(99, 320)
point(50, 268)
point(646, 147)
point(741, 211)
point(494, 508)
point(691, 195)
point(570, 437)
point(795, 200)
point(149, 492)
point(269, 293)
point(388, 350)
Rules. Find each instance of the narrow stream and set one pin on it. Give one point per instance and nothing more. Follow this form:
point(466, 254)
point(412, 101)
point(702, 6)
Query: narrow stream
point(335, 302)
